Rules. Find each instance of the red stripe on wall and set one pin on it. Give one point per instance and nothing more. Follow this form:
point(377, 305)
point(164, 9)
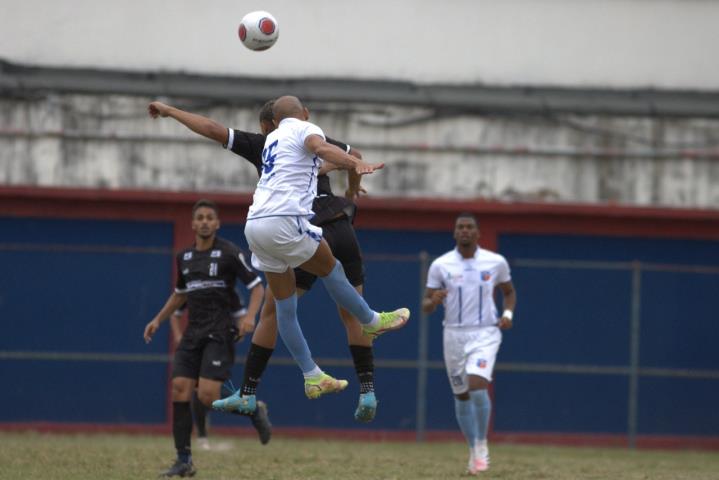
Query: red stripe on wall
point(560, 439)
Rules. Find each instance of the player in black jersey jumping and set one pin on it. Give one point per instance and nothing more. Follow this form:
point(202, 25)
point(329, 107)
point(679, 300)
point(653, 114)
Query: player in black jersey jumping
point(334, 214)
point(206, 275)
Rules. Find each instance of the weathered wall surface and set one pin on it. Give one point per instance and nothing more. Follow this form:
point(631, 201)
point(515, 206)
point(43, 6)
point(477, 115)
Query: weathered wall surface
point(110, 142)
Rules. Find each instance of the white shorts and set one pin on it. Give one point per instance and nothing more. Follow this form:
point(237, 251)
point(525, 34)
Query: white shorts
point(279, 243)
point(470, 351)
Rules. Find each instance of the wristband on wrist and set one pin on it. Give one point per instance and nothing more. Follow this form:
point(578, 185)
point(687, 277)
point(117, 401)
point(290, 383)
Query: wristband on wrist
point(508, 314)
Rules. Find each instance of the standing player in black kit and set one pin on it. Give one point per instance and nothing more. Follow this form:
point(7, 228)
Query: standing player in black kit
point(206, 274)
point(334, 214)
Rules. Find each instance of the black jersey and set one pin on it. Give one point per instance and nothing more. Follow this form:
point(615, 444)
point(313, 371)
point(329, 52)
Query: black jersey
point(208, 278)
point(326, 205)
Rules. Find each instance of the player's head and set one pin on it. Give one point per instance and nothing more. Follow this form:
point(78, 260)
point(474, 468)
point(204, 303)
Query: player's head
point(205, 218)
point(466, 230)
point(266, 125)
point(289, 107)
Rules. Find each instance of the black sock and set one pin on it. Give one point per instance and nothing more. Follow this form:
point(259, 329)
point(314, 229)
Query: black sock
point(182, 429)
point(363, 358)
point(199, 414)
point(257, 359)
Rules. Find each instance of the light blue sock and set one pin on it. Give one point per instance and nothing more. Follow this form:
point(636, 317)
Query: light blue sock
point(346, 296)
point(483, 409)
point(467, 420)
point(291, 333)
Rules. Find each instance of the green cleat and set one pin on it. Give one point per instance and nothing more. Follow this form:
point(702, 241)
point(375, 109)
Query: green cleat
point(387, 321)
point(322, 384)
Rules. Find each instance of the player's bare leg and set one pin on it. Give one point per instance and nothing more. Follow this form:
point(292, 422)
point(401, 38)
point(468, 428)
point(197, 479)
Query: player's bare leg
point(324, 265)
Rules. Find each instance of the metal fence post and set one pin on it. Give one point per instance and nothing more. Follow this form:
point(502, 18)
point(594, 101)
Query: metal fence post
point(422, 352)
point(634, 334)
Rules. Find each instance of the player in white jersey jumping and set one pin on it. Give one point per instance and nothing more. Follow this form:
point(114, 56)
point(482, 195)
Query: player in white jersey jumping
point(464, 280)
point(281, 237)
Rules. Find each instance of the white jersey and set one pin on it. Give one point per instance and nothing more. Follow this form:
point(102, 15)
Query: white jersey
point(288, 184)
point(470, 286)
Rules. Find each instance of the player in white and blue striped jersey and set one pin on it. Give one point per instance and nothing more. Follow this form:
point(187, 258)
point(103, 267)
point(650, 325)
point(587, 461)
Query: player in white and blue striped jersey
point(463, 280)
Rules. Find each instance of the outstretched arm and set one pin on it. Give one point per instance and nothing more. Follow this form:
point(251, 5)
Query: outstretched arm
point(197, 123)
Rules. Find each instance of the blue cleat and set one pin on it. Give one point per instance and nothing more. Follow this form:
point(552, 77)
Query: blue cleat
point(366, 408)
point(244, 404)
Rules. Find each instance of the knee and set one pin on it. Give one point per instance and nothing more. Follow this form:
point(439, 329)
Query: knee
point(181, 390)
point(207, 396)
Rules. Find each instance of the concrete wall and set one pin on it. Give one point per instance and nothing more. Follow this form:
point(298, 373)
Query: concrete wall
point(110, 142)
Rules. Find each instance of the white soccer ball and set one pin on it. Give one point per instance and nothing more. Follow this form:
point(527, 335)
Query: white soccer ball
point(258, 30)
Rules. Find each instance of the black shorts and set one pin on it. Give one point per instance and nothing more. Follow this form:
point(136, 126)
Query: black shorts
point(342, 240)
point(207, 356)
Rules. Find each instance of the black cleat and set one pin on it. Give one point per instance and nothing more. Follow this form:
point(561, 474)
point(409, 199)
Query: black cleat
point(261, 422)
point(179, 469)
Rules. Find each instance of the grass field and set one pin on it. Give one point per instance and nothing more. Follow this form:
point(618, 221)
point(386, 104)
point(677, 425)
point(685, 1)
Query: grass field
point(80, 457)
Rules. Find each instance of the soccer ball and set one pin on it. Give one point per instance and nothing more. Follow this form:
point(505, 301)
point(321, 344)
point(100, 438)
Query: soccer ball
point(258, 30)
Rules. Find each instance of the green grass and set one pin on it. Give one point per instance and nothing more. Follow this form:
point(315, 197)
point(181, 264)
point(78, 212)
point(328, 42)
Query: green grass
point(79, 457)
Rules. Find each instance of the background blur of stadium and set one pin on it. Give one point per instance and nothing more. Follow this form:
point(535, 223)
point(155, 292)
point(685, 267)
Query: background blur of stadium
point(584, 135)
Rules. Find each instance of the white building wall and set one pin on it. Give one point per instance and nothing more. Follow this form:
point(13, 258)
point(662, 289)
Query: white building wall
point(589, 43)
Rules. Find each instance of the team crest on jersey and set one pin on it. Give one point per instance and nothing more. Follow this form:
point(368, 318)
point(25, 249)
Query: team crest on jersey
point(216, 253)
point(457, 380)
point(482, 363)
point(187, 256)
point(486, 275)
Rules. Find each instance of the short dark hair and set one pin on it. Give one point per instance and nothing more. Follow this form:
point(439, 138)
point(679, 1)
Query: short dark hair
point(203, 202)
point(467, 215)
point(266, 114)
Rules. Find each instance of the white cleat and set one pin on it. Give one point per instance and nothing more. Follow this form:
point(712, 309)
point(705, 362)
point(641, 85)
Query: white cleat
point(203, 443)
point(477, 465)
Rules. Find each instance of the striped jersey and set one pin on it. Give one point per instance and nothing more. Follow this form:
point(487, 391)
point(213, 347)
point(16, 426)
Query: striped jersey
point(288, 183)
point(470, 286)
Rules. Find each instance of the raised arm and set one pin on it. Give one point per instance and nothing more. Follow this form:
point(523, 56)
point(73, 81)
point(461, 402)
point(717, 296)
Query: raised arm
point(197, 123)
point(328, 152)
point(354, 180)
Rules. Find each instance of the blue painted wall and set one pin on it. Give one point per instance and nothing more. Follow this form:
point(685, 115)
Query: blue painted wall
point(88, 293)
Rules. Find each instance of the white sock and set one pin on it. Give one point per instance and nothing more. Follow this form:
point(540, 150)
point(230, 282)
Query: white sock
point(375, 320)
point(480, 450)
point(313, 373)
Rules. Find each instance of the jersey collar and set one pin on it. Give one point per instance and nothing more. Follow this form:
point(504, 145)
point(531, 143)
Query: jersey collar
point(459, 255)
